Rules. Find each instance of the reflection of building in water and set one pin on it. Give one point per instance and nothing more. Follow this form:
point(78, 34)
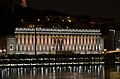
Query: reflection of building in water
point(49, 40)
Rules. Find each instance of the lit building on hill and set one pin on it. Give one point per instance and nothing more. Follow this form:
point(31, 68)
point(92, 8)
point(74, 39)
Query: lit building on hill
point(23, 3)
point(50, 40)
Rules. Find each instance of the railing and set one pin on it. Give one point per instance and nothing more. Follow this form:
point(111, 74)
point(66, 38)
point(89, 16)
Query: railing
point(51, 60)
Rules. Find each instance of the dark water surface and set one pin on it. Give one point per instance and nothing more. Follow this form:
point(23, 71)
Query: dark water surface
point(77, 72)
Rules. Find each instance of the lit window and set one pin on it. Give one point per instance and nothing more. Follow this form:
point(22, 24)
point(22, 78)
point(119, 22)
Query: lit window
point(48, 19)
point(46, 16)
point(0, 51)
point(92, 22)
point(38, 20)
point(53, 26)
point(11, 46)
point(31, 26)
point(69, 20)
point(22, 20)
point(68, 17)
point(63, 20)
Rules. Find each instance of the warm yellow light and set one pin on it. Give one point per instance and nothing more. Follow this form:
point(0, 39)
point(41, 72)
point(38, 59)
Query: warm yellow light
point(63, 20)
point(23, 4)
point(103, 52)
point(69, 20)
point(105, 49)
point(48, 19)
point(31, 26)
point(4, 50)
point(0, 51)
point(68, 17)
point(22, 20)
point(92, 22)
point(38, 20)
point(117, 49)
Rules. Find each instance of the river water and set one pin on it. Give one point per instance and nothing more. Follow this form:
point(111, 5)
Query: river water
point(76, 72)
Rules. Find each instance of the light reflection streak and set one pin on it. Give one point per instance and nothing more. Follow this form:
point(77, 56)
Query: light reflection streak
point(76, 72)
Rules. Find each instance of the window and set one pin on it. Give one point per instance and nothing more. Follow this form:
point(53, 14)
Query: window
point(11, 46)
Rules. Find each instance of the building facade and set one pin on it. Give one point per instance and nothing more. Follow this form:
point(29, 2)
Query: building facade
point(115, 39)
point(112, 40)
point(49, 40)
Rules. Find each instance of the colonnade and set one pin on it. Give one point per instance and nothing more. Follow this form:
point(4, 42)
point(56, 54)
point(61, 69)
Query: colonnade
point(57, 42)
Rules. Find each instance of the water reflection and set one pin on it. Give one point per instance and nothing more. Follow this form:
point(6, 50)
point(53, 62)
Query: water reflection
point(76, 72)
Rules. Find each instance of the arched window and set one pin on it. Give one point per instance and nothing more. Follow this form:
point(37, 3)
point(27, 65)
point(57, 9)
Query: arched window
point(11, 46)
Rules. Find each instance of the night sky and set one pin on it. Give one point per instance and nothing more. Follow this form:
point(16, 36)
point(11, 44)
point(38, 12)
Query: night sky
point(95, 8)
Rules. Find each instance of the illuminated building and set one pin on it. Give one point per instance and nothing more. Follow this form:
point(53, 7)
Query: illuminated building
point(23, 3)
point(49, 40)
point(113, 40)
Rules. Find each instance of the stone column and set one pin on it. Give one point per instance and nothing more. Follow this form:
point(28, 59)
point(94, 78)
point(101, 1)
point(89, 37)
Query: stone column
point(94, 44)
point(18, 42)
point(61, 42)
point(64, 43)
point(55, 42)
point(22, 42)
point(30, 42)
point(26, 42)
point(56, 38)
point(49, 42)
point(82, 43)
point(71, 42)
point(67, 47)
point(91, 44)
point(52, 46)
point(97, 44)
point(74, 45)
point(77, 46)
point(34, 42)
point(45, 45)
point(88, 42)
point(38, 42)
